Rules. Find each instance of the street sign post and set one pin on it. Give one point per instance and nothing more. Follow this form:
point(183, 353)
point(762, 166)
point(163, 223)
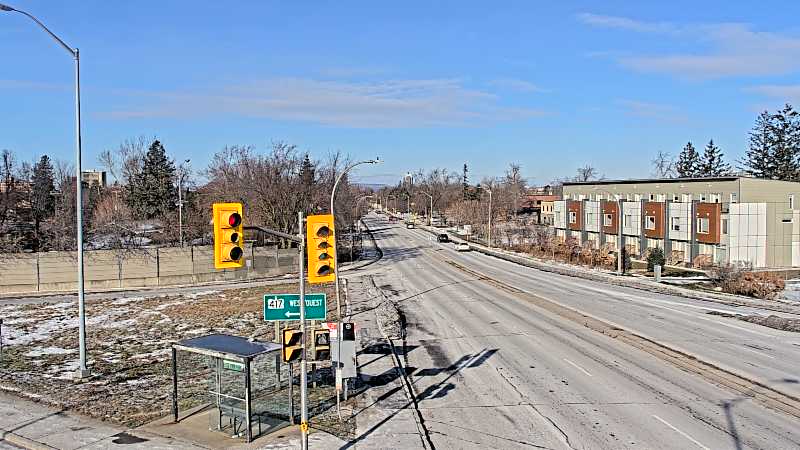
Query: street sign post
point(287, 307)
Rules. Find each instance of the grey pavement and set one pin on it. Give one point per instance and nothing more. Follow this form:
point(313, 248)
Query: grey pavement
point(63, 430)
point(490, 370)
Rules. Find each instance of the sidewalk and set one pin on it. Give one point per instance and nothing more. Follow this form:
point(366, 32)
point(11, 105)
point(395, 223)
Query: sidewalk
point(384, 415)
point(31, 425)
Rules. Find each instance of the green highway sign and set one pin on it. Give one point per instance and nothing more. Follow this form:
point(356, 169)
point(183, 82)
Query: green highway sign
point(287, 307)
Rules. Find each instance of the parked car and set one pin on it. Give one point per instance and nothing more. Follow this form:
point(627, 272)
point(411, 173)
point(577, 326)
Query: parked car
point(410, 225)
point(462, 247)
point(443, 237)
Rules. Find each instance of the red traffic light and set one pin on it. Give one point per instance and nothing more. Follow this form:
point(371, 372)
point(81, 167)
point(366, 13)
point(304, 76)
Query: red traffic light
point(234, 219)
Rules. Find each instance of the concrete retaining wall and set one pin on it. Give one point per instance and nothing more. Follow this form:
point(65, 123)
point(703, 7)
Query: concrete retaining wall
point(109, 269)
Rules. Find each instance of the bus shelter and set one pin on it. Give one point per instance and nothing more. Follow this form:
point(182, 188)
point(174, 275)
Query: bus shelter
point(237, 380)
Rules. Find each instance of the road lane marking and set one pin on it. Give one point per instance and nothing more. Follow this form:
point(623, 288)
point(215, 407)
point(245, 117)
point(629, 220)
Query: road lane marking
point(578, 367)
point(680, 432)
point(757, 352)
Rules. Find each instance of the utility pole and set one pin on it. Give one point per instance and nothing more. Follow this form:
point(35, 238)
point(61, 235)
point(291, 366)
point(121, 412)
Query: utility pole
point(180, 201)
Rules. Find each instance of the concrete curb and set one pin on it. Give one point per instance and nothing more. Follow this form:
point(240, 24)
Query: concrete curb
point(627, 281)
point(22, 441)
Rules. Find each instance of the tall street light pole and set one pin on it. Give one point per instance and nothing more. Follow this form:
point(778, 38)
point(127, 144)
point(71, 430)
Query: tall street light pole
point(83, 371)
point(336, 271)
point(430, 213)
point(490, 216)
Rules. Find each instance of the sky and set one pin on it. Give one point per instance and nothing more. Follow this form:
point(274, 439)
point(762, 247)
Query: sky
point(547, 85)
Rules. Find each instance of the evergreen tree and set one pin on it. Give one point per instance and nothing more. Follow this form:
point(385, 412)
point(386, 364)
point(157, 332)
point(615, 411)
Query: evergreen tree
point(785, 143)
point(688, 164)
point(712, 164)
point(307, 172)
point(43, 203)
point(151, 193)
point(758, 159)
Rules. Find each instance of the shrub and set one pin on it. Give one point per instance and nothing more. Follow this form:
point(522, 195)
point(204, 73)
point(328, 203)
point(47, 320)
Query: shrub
point(655, 258)
point(741, 280)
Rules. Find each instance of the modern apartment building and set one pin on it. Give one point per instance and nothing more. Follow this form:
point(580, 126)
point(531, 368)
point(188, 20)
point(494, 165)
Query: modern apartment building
point(727, 219)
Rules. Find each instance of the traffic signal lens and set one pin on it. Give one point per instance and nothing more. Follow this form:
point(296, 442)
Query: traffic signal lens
point(323, 256)
point(234, 219)
point(324, 270)
point(323, 231)
point(323, 245)
point(236, 253)
point(234, 237)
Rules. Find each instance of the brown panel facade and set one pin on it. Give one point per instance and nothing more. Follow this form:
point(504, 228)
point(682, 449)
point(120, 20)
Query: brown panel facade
point(613, 209)
point(575, 206)
point(655, 210)
point(712, 212)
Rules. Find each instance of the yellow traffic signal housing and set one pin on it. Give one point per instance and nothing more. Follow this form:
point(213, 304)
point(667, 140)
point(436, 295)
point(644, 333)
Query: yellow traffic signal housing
point(322, 345)
point(292, 345)
point(321, 248)
point(228, 235)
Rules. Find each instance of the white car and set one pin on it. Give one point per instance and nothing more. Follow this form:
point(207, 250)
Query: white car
point(462, 247)
point(410, 225)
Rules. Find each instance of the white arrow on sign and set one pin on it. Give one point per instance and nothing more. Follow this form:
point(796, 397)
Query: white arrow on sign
point(290, 314)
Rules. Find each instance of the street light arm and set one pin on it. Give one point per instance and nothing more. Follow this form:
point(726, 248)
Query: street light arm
point(72, 51)
point(344, 172)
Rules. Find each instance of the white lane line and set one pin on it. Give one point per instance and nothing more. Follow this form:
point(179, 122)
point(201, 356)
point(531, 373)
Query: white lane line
point(578, 367)
point(680, 432)
point(757, 352)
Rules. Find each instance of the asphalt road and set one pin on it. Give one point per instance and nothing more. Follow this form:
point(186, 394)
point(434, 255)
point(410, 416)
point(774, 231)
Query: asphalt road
point(491, 370)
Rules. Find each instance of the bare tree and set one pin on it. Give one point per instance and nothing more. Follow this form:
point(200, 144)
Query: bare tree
point(664, 165)
point(586, 173)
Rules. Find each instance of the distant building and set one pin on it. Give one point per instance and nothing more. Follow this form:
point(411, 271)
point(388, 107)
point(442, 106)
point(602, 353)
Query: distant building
point(541, 206)
point(94, 177)
point(731, 219)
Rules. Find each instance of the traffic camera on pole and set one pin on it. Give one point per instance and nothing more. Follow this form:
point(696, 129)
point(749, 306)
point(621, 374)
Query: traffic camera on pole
point(322, 345)
point(228, 235)
point(321, 248)
point(292, 345)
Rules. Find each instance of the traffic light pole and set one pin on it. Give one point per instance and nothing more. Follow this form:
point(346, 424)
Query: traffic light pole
point(303, 374)
point(300, 238)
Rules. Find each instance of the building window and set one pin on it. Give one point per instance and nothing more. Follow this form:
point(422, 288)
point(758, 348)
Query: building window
point(607, 220)
point(676, 198)
point(702, 225)
point(627, 219)
point(724, 226)
point(715, 198)
point(650, 222)
point(675, 223)
point(734, 197)
point(573, 218)
point(703, 197)
point(686, 198)
point(652, 197)
point(791, 201)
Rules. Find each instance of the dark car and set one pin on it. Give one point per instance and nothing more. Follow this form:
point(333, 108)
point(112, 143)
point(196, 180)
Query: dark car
point(442, 237)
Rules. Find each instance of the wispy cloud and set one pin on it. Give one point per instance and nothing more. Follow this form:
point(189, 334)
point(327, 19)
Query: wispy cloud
point(33, 85)
point(625, 23)
point(784, 92)
point(725, 49)
point(387, 104)
point(654, 111)
point(515, 84)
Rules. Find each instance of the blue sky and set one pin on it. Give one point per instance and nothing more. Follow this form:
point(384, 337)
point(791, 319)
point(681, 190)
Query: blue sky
point(549, 85)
